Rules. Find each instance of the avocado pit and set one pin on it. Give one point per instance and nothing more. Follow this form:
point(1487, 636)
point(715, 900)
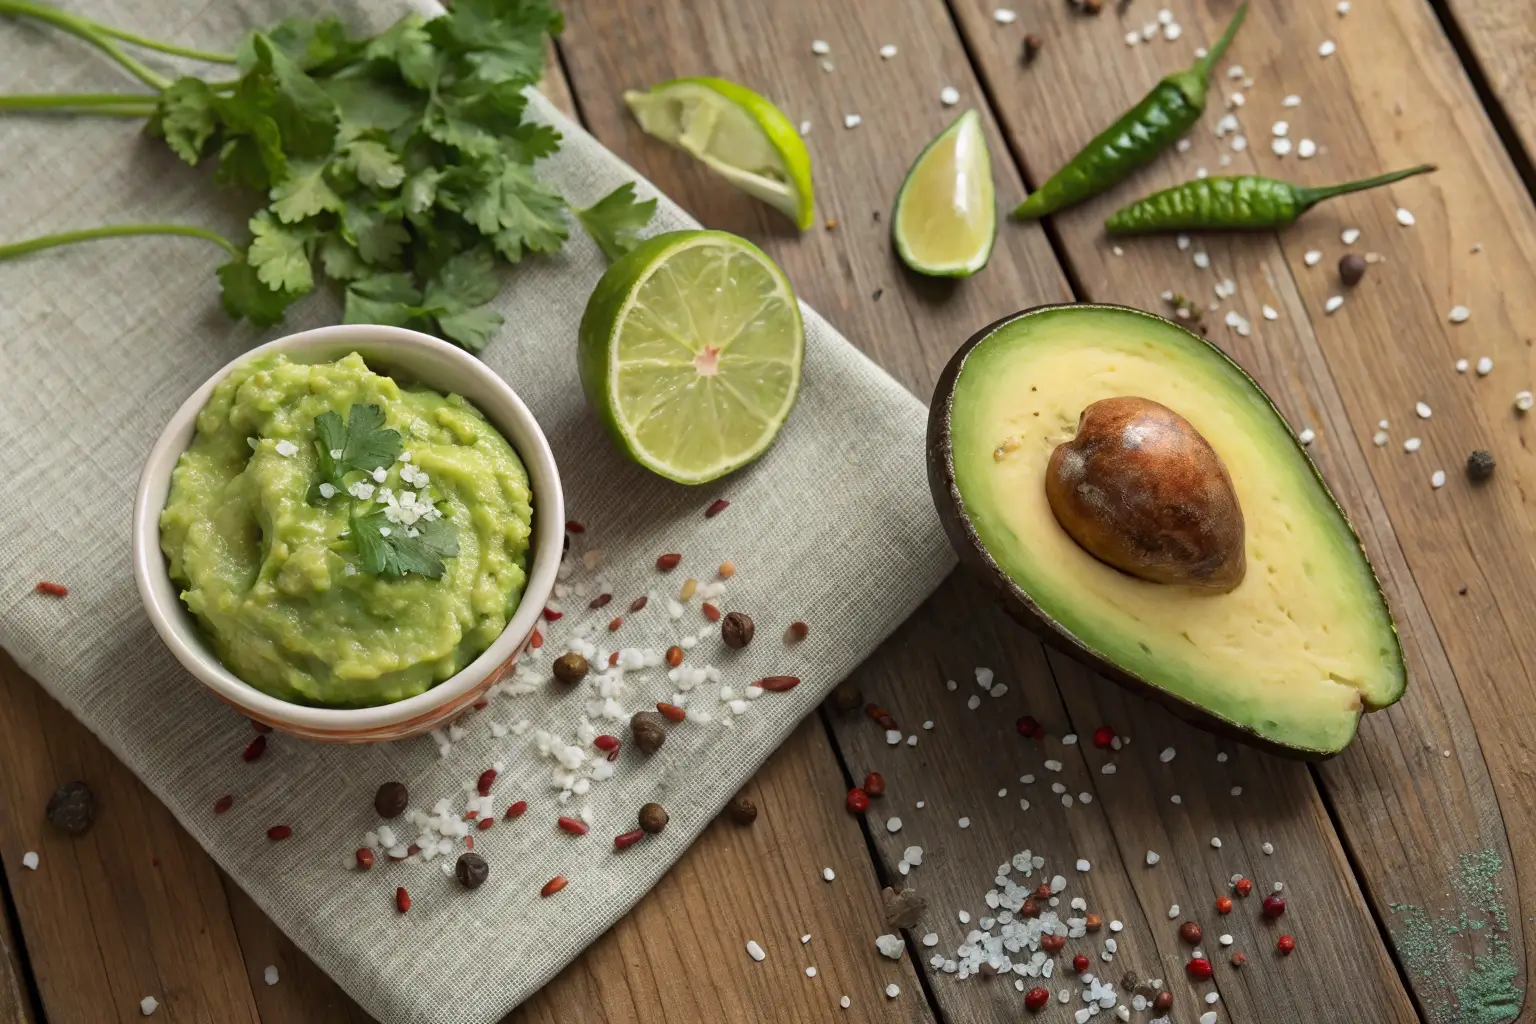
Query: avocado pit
point(1141, 490)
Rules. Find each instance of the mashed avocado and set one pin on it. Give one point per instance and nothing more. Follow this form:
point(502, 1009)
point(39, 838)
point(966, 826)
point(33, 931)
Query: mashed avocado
point(275, 573)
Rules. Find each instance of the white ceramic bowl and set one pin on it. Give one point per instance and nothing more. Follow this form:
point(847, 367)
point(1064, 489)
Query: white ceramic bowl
point(435, 364)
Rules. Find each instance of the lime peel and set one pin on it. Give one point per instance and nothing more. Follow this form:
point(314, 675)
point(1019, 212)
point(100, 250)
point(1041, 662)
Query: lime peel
point(945, 219)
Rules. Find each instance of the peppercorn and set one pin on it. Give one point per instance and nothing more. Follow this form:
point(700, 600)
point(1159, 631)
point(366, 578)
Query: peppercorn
point(1351, 268)
point(1242, 887)
point(1129, 981)
point(471, 870)
point(1199, 968)
point(736, 630)
point(847, 697)
point(858, 801)
point(364, 858)
point(1052, 943)
point(1093, 922)
point(570, 668)
point(796, 632)
point(649, 730)
point(1274, 906)
point(1043, 891)
point(1032, 44)
point(653, 817)
point(1163, 1001)
point(72, 807)
point(1239, 958)
point(902, 909)
point(1479, 465)
point(1190, 932)
point(1080, 963)
point(1035, 999)
point(391, 799)
point(741, 810)
point(874, 784)
point(1223, 904)
point(1286, 945)
point(1103, 737)
point(1029, 908)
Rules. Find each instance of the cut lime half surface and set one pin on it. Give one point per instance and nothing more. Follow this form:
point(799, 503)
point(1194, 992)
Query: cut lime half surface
point(945, 221)
point(737, 133)
point(690, 352)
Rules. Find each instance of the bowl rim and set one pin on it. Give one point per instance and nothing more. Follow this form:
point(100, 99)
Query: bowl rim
point(179, 629)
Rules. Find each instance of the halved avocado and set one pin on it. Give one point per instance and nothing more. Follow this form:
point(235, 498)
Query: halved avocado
point(1287, 659)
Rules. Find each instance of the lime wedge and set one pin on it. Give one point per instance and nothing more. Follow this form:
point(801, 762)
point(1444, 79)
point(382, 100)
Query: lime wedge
point(690, 351)
point(737, 133)
point(946, 217)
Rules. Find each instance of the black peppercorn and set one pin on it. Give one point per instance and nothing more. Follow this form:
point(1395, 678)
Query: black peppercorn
point(649, 730)
point(471, 870)
point(653, 818)
point(391, 799)
point(736, 629)
point(72, 807)
point(570, 668)
point(1480, 465)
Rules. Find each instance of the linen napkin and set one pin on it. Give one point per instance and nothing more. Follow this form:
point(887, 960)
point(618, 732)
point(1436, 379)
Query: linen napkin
point(100, 344)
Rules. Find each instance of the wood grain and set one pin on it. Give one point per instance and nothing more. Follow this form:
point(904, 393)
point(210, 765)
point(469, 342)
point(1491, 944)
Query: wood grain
point(1408, 813)
point(1502, 39)
point(15, 999)
point(133, 907)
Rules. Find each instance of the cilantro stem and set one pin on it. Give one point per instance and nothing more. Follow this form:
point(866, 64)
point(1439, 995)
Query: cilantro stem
point(32, 245)
point(163, 47)
point(91, 33)
point(108, 104)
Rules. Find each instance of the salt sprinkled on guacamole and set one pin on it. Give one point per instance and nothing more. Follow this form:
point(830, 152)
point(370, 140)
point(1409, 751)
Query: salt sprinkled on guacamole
point(344, 540)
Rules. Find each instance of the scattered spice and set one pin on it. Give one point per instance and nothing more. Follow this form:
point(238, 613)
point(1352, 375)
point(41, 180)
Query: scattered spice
point(881, 715)
point(1191, 933)
point(624, 840)
point(716, 507)
point(674, 656)
point(223, 803)
point(1086, 6)
point(1080, 963)
point(1223, 904)
point(878, 291)
point(1103, 737)
point(1028, 727)
point(778, 684)
point(649, 730)
point(613, 659)
point(1029, 908)
point(874, 784)
point(1043, 892)
point(575, 826)
point(570, 668)
point(1351, 268)
point(615, 623)
point(552, 886)
point(482, 825)
point(402, 900)
point(741, 810)
point(1239, 958)
point(1052, 943)
point(391, 799)
point(711, 612)
point(1032, 44)
point(600, 600)
point(1242, 886)
point(551, 615)
point(254, 749)
point(1035, 999)
point(902, 909)
point(736, 629)
point(858, 801)
point(72, 808)
point(1480, 465)
point(364, 858)
point(486, 780)
point(572, 526)
point(690, 587)
point(517, 809)
point(1274, 905)
point(847, 696)
point(639, 602)
point(831, 223)
point(1093, 922)
point(668, 562)
point(606, 743)
point(653, 818)
point(1198, 968)
point(52, 589)
point(277, 833)
point(1163, 1001)
point(671, 712)
point(796, 632)
point(1286, 945)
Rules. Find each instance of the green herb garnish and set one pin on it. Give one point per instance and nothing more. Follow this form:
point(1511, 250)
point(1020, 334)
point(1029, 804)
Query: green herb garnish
point(391, 549)
point(398, 166)
point(363, 443)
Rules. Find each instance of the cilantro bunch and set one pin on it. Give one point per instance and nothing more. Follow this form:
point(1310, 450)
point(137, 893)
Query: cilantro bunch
point(399, 166)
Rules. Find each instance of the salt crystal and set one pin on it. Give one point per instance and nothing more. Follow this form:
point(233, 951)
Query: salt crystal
point(1437, 479)
point(269, 975)
point(1484, 366)
point(1173, 912)
point(810, 972)
point(1215, 842)
point(1153, 857)
point(29, 860)
point(1328, 48)
point(1306, 149)
point(892, 737)
point(1004, 16)
point(755, 951)
point(828, 874)
point(1312, 257)
point(1280, 129)
point(852, 120)
point(1423, 410)
point(1202, 260)
point(1269, 312)
point(1405, 217)
point(845, 1002)
point(1307, 436)
point(1167, 755)
point(1461, 366)
point(1523, 401)
point(1268, 848)
point(1082, 865)
point(888, 51)
point(1069, 739)
point(890, 946)
point(1349, 236)
point(964, 823)
point(148, 1005)
point(974, 702)
point(1412, 444)
point(820, 47)
point(893, 825)
point(949, 95)
point(1458, 314)
point(893, 990)
point(1291, 101)
point(1332, 305)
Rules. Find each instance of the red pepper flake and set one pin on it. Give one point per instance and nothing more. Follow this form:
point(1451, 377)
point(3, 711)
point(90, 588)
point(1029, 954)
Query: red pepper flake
point(716, 507)
point(874, 784)
point(1035, 999)
point(516, 809)
point(614, 624)
point(777, 684)
point(575, 826)
point(485, 823)
point(481, 704)
point(552, 886)
point(613, 755)
point(710, 612)
point(550, 615)
point(1286, 945)
point(469, 842)
point(639, 602)
point(1052, 943)
point(402, 900)
point(606, 743)
point(471, 815)
point(486, 780)
point(1081, 963)
point(261, 727)
point(668, 562)
point(572, 526)
point(796, 632)
point(53, 589)
point(277, 833)
point(674, 656)
point(628, 839)
point(600, 600)
point(1028, 727)
point(613, 659)
point(1242, 887)
point(1223, 904)
point(1198, 968)
point(1239, 958)
point(1274, 906)
point(858, 801)
point(223, 803)
point(672, 713)
point(254, 749)
point(364, 858)
point(881, 715)
point(536, 640)
point(1103, 737)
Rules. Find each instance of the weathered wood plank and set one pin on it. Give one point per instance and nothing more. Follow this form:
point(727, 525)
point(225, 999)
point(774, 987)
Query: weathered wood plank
point(133, 908)
point(1392, 95)
point(15, 1000)
point(960, 768)
point(1502, 39)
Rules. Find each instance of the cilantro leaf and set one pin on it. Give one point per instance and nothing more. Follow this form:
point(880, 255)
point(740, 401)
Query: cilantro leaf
point(377, 237)
point(252, 155)
point(184, 117)
point(245, 297)
point(530, 142)
point(304, 193)
point(472, 328)
point(278, 253)
point(615, 221)
point(340, 260)
point(512, 209)
point(305, 114)
point(389, 549)
point(466, 280)
point(308, 44)
point(476, 123)
point(420, 192)
point(407, 45)
point(374, 163)
point(389, 299)
point(499, 40)
point(362, 444)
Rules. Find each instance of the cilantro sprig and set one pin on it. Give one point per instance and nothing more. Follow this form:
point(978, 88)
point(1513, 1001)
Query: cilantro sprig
point(388, 549)
point(399, 167)
point(362, 443)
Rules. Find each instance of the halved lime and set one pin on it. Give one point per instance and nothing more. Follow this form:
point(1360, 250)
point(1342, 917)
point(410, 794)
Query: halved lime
point(737, 133)
point(690, 351)
point(945, 219)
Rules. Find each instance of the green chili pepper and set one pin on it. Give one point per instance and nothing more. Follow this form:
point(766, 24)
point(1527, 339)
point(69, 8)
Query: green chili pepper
point(1247, 202)
point(1142, 132)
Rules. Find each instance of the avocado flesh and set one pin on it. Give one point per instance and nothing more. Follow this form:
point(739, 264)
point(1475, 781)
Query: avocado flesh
point(1294, 654)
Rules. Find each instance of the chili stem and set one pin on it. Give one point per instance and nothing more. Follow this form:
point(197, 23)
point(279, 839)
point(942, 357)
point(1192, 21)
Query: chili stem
point(1306, 198)
point(90, 32)
point(1204, 64)
point(106, 104)
point(32, 245)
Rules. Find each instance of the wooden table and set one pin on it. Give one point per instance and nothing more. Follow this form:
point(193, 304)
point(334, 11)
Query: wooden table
point(1400, 857)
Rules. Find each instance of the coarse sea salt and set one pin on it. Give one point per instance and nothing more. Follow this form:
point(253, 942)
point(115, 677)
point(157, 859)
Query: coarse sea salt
point(148, 1005)
point(29, 860)
point(755, 951)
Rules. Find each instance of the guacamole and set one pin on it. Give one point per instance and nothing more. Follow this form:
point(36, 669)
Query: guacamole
point(272, 559)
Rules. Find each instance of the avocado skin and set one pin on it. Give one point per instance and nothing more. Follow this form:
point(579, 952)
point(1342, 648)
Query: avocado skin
point(1021, 608)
